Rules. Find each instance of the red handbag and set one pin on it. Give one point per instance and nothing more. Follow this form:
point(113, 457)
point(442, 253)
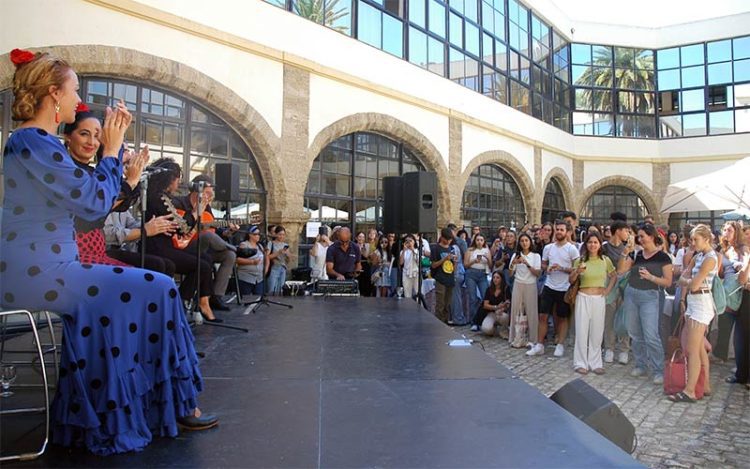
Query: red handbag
point(675, 375)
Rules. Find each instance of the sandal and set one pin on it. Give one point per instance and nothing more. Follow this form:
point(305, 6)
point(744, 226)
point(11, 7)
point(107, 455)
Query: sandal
point(599, 371)
point(681, 397)
point(582, 371)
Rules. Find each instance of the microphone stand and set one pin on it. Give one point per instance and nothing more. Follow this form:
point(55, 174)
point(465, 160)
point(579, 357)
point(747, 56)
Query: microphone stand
point(144, 205)
point(196, 310)
point(263, 299)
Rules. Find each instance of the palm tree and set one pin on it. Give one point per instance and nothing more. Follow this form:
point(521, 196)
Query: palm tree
point(631, 69)
point(323, 12)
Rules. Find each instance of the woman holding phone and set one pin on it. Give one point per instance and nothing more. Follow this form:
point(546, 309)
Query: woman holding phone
point(525, 268)
point(650, 269)
point(477, 262)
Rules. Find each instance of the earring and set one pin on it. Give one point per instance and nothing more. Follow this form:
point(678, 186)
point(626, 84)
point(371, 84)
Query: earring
point(57, 112)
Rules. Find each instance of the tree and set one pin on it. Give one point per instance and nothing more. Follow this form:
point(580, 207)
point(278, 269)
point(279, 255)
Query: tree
point(631, 70)
point(324, 12)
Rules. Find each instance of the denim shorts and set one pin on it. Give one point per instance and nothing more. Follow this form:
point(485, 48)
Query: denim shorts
point(700, 308)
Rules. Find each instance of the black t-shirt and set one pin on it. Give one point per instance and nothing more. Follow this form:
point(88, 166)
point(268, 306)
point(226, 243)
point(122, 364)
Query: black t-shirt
point(440, 275)
point(490, 296)
point(654, 265)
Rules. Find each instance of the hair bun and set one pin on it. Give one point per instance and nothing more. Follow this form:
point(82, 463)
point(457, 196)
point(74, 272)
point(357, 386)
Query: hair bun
point(20, 57)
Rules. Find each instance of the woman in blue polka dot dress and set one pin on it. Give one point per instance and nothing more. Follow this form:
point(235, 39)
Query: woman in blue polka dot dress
point(128, 369)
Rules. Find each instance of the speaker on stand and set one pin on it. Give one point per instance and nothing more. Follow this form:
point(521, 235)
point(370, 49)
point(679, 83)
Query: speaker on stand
point(419, 206)
point(227, 182)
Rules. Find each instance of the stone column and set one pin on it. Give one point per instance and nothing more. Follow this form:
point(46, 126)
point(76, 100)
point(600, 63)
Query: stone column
point(578, 187)
point(450, 210)
point(535, 213)
point(662, 177)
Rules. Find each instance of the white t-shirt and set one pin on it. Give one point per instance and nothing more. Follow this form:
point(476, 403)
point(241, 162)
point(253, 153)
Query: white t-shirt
point(562, 256)
point(523, 274)
point(483, 263)
point(318, 262)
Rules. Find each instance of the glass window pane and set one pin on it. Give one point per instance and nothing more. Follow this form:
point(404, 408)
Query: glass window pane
point(501, 56)
point(719, 51)
point(692, 100)
point(583, 123)
point(417, 47)
point(693, 76)
point(719, 97)
point(721, 122)
point(603, 124)
point(436, 56)
point(741, 95)
point(456, 30)
point(393, 36)
point(472, 39)
point(742, 120)
point(644, 59)
point(581, 75)
point(437, 18)
point(691, 55)
point(369, 28)
point(669, 79)
point(694, 124)
point(720, 73)
point(741, 47)
point(668, 58)
point(669, 102)
point(741, 70)
point(580, 54)
point(670, 126)
point(488, 54)
point(417, 12)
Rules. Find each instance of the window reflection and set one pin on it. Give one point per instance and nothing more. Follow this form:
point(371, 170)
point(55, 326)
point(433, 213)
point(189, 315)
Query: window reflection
point(492, 198)
point(614, 199)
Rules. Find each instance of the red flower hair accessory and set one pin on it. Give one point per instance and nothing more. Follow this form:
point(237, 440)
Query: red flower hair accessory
point(82, 108)
point(20, 57)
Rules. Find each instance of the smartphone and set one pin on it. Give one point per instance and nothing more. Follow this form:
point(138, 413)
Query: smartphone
point(323, 230)
point(286, 246)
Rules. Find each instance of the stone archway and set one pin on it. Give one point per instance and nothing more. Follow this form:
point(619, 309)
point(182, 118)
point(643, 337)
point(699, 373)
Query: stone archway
point(147, 69)
point(640, 189)
point(562, 179)
point(390, 127)
point(510, 164)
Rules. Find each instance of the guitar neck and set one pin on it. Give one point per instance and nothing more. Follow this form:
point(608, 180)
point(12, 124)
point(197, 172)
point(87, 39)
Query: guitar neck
point(223, 223)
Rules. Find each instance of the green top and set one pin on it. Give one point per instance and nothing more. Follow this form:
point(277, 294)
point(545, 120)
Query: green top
point(596, 273)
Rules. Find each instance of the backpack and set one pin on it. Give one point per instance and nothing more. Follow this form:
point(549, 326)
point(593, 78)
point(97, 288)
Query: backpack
point(719, 295)
point(733, 292)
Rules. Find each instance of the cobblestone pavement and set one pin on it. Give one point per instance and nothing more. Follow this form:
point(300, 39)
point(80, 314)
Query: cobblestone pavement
point(714, 432)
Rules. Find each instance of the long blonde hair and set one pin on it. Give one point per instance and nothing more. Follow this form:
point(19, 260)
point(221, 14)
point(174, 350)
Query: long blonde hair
point(32, 81)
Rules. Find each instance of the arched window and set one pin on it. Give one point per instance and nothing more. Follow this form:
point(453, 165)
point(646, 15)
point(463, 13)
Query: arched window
point(614, 199)
point(492, 198)
point(554, 201)
point(173, 126)
point(346, 178)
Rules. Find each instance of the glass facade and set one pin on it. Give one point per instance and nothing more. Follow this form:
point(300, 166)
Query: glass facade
point(554, 201)
point(502, 49)
point(711, 218)
point(171, 126)
point(614, 199)
point(492, 198)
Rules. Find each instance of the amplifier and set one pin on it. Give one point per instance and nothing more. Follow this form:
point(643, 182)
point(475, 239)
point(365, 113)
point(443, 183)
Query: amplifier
point(336, 288)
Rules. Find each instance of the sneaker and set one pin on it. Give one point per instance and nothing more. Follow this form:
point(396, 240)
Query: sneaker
point(658, 379)
point(623, 358)
point(609, 356)
point(637, 372)
point(536, 349)
point(559, 350)
point(474, 328)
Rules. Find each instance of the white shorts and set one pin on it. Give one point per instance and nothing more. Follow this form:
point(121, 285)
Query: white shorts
point(700, 308)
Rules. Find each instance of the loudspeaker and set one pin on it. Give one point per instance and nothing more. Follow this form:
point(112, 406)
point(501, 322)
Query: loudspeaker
point(596, 411)
point(227, 182)
point(392, 199)
point(419, 204)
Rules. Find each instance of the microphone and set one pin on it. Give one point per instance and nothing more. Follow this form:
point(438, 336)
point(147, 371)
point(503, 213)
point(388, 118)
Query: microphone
point(148, 172)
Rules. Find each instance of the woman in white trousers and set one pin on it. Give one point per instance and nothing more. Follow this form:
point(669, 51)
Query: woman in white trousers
point(525, 268)
point(597, 277)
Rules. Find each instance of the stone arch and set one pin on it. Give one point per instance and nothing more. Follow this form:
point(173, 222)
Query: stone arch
point(510, 164)
point(640, 189)
point(395, 129)
point(147, 69)
point(567, 187)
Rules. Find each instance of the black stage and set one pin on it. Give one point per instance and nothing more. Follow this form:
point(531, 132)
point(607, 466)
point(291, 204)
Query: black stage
point(361, 382)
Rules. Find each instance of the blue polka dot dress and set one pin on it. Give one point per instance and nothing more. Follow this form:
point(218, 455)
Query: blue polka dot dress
point(128, 367)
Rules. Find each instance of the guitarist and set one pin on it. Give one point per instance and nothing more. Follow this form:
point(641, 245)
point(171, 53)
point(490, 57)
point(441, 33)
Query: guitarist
point(163, 186)
point(219, 250)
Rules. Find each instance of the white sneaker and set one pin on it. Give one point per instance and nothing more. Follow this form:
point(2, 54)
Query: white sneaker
point(637, 372)
point(559, 350)
point(658, 379)
point(609, 356)
point(536, 349)
point(623, 358)
point(474, 328)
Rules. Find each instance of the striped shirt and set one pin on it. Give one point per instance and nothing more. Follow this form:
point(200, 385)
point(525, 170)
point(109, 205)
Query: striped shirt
point(699, 258)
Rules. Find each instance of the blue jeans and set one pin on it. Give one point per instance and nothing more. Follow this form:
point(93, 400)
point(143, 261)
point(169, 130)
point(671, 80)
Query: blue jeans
point(642, 310)
point(276, 279)
point(476, 287)
point(251, 288)
point(458, 315)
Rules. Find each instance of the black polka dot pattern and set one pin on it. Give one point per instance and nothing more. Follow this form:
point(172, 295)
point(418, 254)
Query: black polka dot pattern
point(75, 407)
point(50, 227)
point(133, 328)
point(118, 270)
point(12, 183)
point(115, 351)
point(33, 270)
point(56, 248)
point(9, 298)
point(101, 177)
point(51, 204)
point(18, 210)
point(11, 236)
point(172, 293)
point(149, 277)
point(78, 173)
point(3, 266)
point(41, 132)
point(49, 178)
point(75, 194)
point(170, 325)
point(93, 290)
point(104, 321)
point(152, 308)
point(111, 405)
point(50, 295)
point(95, 383)
point(125, 297)
point(86, 331)
point(100, 194)
point(153, 338)
point(25, 153)
point(57, 156)
point(81, 364)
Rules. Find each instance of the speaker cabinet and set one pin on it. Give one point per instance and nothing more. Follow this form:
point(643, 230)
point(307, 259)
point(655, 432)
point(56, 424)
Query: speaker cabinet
point(227, 182)
point(596, 411)
point(392, 199)
point(419, 205)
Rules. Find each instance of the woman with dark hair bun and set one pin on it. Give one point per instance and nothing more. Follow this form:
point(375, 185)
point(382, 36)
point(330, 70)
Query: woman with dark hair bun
point(128, 369)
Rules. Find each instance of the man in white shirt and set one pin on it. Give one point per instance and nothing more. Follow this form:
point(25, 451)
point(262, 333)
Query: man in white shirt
point(557, 260)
